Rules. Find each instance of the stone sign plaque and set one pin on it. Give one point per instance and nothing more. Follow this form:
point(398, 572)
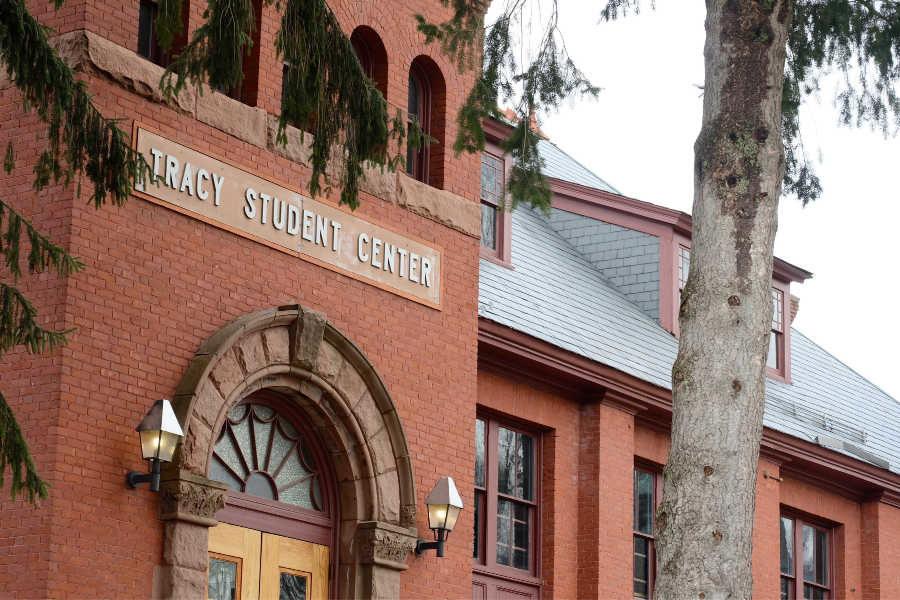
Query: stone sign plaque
point(235, 199)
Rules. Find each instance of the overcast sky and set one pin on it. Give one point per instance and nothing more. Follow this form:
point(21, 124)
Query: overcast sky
point(639, 136)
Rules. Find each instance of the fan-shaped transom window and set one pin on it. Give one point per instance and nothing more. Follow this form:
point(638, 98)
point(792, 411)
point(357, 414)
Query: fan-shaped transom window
point(260, 453)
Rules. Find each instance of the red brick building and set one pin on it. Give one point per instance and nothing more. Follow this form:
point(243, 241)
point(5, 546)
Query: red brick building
point(328, 367)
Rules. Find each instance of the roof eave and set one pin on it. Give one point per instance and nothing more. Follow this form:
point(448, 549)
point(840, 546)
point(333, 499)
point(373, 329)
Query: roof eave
point(680, 221)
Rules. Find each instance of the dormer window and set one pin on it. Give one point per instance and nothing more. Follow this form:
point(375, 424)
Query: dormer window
point(495, 221)
point(684, 267)
point(491, 198)
point(775, 359)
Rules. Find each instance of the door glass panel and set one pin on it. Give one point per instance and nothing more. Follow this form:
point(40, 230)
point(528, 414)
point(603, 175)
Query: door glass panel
point(222, 579)
point(292, 587)
point(787, 546)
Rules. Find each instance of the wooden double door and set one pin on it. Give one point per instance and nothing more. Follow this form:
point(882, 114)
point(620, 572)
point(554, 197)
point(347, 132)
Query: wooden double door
point(246, 564)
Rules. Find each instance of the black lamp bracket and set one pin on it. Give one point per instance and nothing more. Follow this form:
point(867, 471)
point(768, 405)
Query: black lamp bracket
point(440, 536)
point(135, 478)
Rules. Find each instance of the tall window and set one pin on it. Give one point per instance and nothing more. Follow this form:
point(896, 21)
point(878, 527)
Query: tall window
point(646, 495)
point(372, 56)
point(805, 560)
point(491, 199)
point(418, 111)
point(505, 496)
point(775, 358)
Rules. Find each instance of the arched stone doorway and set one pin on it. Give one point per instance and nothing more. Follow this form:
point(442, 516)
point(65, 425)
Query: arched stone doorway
point(297, 353)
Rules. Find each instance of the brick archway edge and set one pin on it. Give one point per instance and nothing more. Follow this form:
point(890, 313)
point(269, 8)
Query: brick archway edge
point(296, 351)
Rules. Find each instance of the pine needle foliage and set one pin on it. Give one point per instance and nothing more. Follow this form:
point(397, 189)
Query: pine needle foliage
point(19, 327)
point(541, 83)
point(324, 85)
point(80, 142)
point(860, 39)
point(14, 451)
point(79, 138)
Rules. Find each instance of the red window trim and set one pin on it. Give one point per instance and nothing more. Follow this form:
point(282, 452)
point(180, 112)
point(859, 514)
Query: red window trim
point(486, 564)
point(803, 518)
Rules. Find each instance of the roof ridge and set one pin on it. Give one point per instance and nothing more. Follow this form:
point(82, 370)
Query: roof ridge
point(579, 163)
point(843, 364)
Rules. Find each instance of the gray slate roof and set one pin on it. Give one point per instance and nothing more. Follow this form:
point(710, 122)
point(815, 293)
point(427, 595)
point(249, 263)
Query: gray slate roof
point(555, 295)
point(559, 165)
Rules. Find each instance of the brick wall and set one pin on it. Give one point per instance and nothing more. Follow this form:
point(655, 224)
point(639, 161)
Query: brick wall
point(560, 473)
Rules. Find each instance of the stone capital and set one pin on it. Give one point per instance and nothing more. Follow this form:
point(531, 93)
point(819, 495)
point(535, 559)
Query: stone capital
point(192, 498)
point(384, 544)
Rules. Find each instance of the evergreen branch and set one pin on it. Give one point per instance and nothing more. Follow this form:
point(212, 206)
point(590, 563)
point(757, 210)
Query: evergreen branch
point(14, 452)
point(612, 9)
point(168, 23)
point(325, 88)
point(859, 39)
point(215, 52)
point(80, 139)
point(18, 327)
point(548, 78)
point(44, 253)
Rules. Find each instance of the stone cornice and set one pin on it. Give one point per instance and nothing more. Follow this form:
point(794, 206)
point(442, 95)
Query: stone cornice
point(87, 52)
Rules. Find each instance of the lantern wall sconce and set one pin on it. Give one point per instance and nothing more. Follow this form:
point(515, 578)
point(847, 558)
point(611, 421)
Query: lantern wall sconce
point(444, 505)
point(160, 432)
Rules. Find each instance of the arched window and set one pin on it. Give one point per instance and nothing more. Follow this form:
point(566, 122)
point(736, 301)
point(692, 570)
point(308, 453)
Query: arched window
point(426, 105)
point(275, 470)
point(372, 56)
point(260, 453)
point(418, 111)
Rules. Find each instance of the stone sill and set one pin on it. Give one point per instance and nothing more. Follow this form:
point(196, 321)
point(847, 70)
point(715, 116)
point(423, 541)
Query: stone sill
point(90, 53)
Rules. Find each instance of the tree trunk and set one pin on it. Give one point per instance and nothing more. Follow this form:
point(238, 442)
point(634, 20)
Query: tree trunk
point(704, 525)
